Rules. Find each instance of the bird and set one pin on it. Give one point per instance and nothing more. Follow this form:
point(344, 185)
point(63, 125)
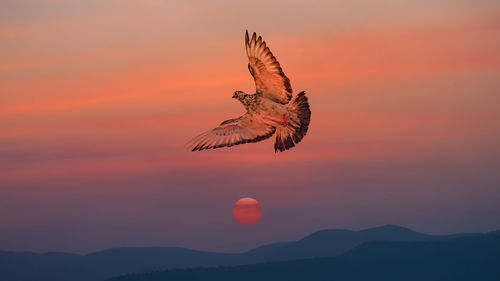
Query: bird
point(271, 110)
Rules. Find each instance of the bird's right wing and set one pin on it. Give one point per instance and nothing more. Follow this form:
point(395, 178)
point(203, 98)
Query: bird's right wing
point(231, 132)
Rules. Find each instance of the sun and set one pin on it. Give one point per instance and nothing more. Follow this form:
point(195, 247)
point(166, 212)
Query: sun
point(247, 211)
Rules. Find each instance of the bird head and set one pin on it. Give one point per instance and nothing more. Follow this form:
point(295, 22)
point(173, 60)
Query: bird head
point(238, 95)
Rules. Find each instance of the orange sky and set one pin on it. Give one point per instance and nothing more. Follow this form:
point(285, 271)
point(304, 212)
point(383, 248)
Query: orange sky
point(97, 99)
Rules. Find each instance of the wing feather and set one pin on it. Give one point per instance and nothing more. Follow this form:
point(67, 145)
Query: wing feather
point(231, 132)
point(270, 81)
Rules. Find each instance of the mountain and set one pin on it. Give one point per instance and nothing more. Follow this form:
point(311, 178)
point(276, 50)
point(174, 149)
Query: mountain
point(459, 259)
point(97, 266)
point(333, 242)
point(104, 264)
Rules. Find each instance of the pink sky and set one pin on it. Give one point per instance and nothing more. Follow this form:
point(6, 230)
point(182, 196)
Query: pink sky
point(97, 99)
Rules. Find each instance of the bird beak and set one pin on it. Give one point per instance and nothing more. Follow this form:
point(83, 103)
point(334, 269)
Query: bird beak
point(235, 95)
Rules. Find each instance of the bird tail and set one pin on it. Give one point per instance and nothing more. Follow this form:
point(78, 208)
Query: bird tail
point(287, 137)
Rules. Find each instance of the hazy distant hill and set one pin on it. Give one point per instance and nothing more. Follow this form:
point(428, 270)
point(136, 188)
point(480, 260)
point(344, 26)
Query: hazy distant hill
point(104, 264)
point(460, 259)
point(100, 265)
point(332, 242)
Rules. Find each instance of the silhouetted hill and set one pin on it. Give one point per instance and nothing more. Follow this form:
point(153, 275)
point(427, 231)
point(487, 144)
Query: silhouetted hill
point(25, 266)
point(495, 232)
point(104, 264)
point(459, 259)
point(333, 242)
point(100, 265)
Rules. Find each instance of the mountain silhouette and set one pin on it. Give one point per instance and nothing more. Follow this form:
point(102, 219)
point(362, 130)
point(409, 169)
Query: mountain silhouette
point(332, 242)
point(459, 259)
point(97, 266)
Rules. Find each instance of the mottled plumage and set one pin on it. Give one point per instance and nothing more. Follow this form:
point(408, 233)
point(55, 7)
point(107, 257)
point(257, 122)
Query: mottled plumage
point(272, 109)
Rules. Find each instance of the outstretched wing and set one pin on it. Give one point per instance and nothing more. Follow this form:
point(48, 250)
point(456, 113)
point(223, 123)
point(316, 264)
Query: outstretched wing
point(270, 81)
point(231, 132)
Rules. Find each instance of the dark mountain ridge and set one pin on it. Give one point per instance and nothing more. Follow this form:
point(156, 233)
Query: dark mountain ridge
point(332, 242)
point(458, 259)
point(96, 266)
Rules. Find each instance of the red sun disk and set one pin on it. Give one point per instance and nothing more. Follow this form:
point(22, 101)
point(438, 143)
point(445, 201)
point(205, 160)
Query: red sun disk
point(247, 211)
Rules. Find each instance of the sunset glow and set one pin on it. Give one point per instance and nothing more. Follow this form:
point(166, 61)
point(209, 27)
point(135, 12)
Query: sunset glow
point(98, 98)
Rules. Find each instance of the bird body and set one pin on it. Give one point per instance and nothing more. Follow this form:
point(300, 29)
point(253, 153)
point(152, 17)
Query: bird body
point(269, 112)
point(272, 109)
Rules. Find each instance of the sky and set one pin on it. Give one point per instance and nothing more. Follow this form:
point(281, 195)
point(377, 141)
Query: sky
point(98, 98)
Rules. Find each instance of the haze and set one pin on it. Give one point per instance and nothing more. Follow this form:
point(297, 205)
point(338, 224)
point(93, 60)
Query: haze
point(97, 99)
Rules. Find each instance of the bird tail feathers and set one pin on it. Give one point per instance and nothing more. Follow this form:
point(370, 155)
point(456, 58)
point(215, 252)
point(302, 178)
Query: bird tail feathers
point(287, 137)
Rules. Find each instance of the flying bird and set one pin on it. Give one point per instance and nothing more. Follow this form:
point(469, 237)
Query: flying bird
point(272, 109)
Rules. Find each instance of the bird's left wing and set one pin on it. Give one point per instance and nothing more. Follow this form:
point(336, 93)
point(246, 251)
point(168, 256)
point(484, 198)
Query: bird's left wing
point(231, 132)
point(270, 81)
